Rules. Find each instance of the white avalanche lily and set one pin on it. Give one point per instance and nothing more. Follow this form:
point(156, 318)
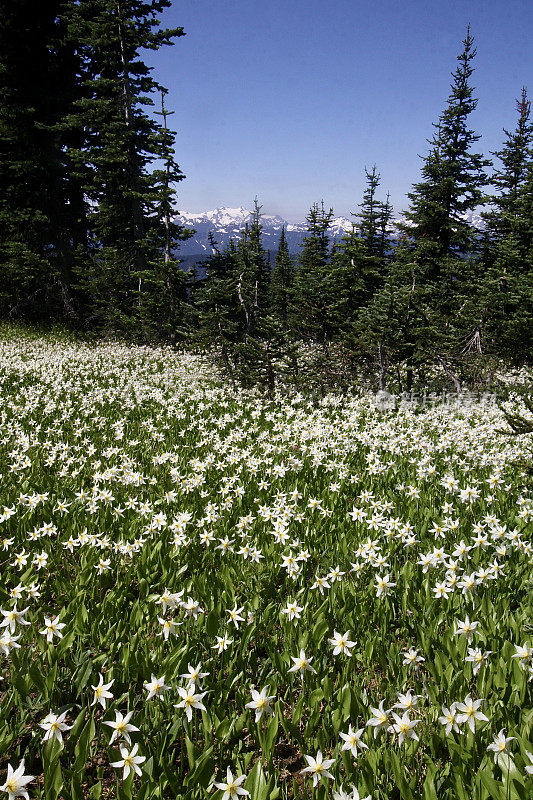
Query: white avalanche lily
point(16, 782)
point(54, 726)
point(130, 761)
point(232, 787)
point(190, 700)
point(318, 767)
point(101, 692)
point(302, 664)
point(502, 756)
point(260, 703)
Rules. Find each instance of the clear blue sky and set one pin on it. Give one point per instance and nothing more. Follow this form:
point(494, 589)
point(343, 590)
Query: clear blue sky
point(290, 99)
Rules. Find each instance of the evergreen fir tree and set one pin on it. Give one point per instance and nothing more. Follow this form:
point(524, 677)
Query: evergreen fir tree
point(371, 213)
point(504, 304)
point(454, 176)
point(433, 270)
point(37, 80)
point(505, 218)
point(128, 236)
point(264, 344)
point(308, 318)
point(343, 286)
point(252, 275)
point(217, 306)
point(258, 259)
point(384, 238)
point(282, 280)
point(358, 267)
point(84, 221)
point(164, 301)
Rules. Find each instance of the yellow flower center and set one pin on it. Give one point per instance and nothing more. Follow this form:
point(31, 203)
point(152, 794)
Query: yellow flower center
point(404, 727)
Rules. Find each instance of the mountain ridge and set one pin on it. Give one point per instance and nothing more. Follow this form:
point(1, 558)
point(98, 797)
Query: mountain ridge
point(227, 223)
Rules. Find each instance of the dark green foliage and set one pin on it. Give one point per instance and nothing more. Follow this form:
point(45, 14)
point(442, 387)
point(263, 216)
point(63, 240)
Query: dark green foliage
point(236, 310)
point(453, 176)
point(518, 422)
point(128, 199)
point(85, 229)
point(358, 268)
point(505, 219)
point(505, 306)
point(216, 300)
point(282, 281)
point(267, 356)
point(432, 274)
point(308, 312)
point(374, 217)
point(37, 77)
point(253, 273)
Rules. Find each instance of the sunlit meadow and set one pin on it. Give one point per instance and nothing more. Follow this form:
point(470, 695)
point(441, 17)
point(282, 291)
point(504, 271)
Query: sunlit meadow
point(206, 593)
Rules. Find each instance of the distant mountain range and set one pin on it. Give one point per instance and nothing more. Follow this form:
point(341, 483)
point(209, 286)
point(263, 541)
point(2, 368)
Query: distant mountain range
point(228, 223)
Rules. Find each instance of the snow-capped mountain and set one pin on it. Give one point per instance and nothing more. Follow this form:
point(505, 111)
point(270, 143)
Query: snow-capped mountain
point(476, 220)
point(228, 223)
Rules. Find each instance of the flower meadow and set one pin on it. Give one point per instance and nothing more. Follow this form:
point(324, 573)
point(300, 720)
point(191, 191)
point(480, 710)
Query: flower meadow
point(207, 593)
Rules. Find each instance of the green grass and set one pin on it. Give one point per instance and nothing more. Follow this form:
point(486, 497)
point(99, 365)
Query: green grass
point(144, 462)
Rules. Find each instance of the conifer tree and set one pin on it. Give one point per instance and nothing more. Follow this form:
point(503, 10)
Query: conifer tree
point(282, 280)
point(358, 267)
point(433, 269)
point(164, 308)
point(384, 237)
point(453, 176)
point(371, 261)
point(526, 213)
point(344, 286)
point(504, 304)
point(37, 79)
point(216, 301)
point(84, 220)
point(252, 273)
point(308, 318)
point(371, 212)
point(505, 218)
point(127, 232)
point(236, 320)
point(258, 259)
point(264, 345)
